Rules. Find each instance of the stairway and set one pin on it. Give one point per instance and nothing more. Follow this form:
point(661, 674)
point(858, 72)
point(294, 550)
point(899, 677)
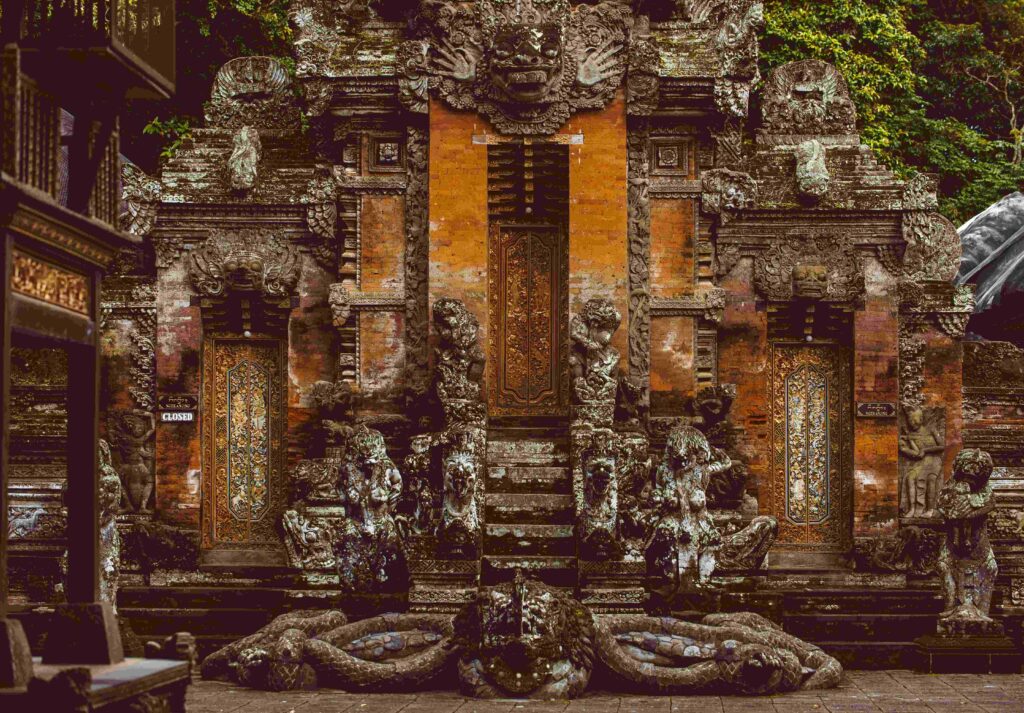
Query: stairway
point(528, 511)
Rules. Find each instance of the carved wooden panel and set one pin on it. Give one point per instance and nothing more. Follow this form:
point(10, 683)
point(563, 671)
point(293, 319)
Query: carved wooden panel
point(243, 443)
point(528, 301)
point(811, 479)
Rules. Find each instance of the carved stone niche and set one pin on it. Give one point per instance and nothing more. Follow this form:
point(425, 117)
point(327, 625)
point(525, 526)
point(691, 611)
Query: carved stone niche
point(824, 267)
point(528, 65)
point(807, 97)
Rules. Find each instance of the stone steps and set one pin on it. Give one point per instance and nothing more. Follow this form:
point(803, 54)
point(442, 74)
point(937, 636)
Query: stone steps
point(859, 627)
point(555, 571)
point(529, 479)
point(528, 509)
point(553, 540)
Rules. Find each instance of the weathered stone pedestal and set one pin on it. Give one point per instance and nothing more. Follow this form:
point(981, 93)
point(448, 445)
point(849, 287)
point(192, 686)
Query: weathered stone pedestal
point(968, 642)
point(83, 634)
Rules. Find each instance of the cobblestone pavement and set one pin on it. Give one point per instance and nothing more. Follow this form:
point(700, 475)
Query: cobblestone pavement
point(860, 692)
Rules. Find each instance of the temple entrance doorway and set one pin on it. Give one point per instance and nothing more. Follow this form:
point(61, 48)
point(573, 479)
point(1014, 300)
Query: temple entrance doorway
point(810, 488)
point(528, 275)
point(243, 484)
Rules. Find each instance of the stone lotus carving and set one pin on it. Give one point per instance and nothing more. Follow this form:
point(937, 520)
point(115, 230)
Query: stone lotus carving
point(736, 652)
point(723, 192)
point(527, 65)
point(807, 97)
point(141, 195)
point(458, 363)
point(922, 444)
point(133, 437)
point(246, 261)
point(967, 564)
point(593, 362)
point(524, 640)
point(823, 267)
point(933, 247)
point(243, 163)
point(812, 176)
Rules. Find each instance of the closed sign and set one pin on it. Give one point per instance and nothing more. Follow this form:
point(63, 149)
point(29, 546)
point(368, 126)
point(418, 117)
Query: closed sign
point(177, 416)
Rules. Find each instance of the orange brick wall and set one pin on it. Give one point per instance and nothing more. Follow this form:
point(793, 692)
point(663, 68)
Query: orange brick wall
point(458, 211)
point(673, 377)
point(744, 359)
point(672, 238)
point(381, 350)
point(875, 378)
point(382, 244)
point(597, 213)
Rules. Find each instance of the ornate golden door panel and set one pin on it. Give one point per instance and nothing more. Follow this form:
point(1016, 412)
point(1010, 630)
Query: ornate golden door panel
point(811, 479)
point(243, 447)
point(528, 304)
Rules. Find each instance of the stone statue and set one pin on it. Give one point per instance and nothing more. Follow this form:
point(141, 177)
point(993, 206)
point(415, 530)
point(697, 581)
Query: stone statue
point(367, 547)
point(596, 491)
point(245, 157)
point(458, 363)
point(967, 564)
point(524, 639)
point(921, 447)
point(681, 549)
point(110, 497)
point(593, 362)
point(134, 438)
point(459, 528)
point(812, 176)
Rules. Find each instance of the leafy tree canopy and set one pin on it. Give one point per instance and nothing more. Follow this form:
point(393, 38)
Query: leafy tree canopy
point(938, 84)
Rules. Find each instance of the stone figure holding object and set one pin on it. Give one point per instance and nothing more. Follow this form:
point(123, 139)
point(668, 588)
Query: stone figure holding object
point(922, 444)
point(967, 564)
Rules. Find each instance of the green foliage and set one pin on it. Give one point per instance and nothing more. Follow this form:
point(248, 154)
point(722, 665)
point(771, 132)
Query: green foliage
point(938, 84)
point(175, 131)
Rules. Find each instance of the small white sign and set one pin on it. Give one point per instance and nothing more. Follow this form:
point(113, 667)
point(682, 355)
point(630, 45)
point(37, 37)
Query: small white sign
point(177, 416)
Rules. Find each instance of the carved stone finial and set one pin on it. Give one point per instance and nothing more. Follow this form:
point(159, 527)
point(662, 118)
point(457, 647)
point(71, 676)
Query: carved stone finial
point(807, 97)
point(252, 261)
point(812, 176)
point(243, 163)
point(933, 247)
point(141, 194)
point(252, 91)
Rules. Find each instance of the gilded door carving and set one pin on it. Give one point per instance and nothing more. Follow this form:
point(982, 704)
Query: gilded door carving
point(243, 455)
point(811, 479)
point(528, 305)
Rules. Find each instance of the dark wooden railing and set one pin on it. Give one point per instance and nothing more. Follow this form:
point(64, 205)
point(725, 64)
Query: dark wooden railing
point(141, 30)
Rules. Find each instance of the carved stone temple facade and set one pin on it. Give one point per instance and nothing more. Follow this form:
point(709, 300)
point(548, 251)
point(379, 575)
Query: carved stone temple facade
point(565, 288)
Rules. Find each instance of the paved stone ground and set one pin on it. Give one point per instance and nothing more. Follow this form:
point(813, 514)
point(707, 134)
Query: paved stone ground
point(860, 692)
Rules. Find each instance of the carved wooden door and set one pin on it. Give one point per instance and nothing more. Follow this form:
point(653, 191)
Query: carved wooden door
point(243, 444)
point(528, 306)
point(811, 480)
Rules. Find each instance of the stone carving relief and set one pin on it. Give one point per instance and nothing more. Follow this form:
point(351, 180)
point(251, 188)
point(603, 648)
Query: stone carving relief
point(458, 364)
point(911, 549)
point(748, 547)
point(807, 97)
point(638, 206)
point(243, 163)
point(593, 362)
point(596, 492)
point(462, 465)
point(812, 176)
point(732, 98)
point(736, 40)
point(133, 438)
point(642, 81)
point(821, 267)
point(527, 65)
point(921, 192)
point(321, 204)
point(110, 496)
point(414, 75)
point(245, 261)
point(254, 92)
point(141, 196)
point(967, 564)
point(933, 247)
point(922, 444)
point(724, 192)
point(417, 261)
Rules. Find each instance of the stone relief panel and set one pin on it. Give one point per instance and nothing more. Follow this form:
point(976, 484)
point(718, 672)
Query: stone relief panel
point(245, 261)
point(807, 97)
point(527, 65)
point(823, 267)
point(922, 444)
